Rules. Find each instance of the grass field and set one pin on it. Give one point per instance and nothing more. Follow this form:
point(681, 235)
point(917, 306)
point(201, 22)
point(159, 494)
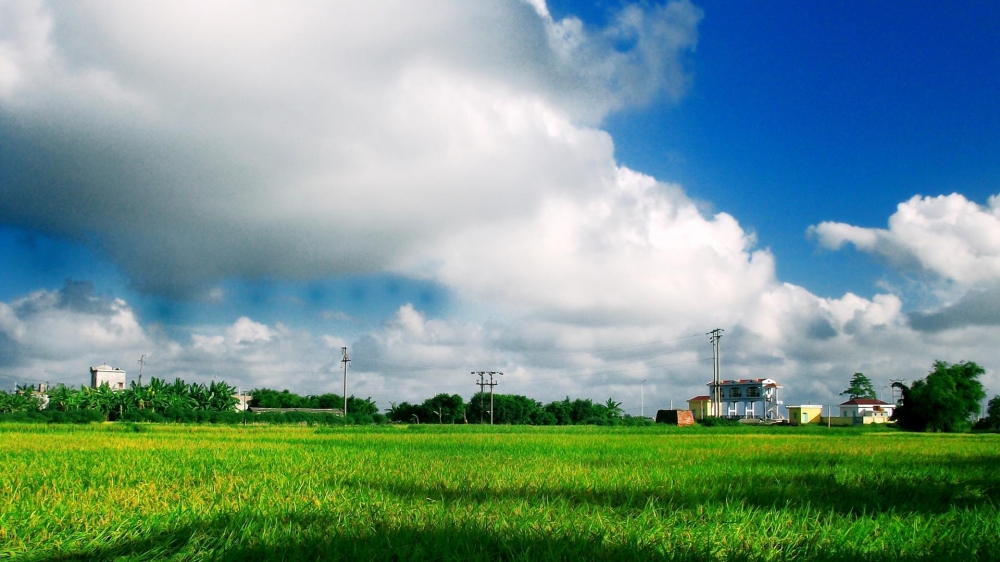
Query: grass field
point(157, 492)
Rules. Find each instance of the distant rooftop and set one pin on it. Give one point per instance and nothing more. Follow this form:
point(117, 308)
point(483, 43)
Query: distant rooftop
point(865, 402)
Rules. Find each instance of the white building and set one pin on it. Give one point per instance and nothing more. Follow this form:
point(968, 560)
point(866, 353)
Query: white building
point(106, 374)
point(866, 408)
point(749, 398)
point(242, 401)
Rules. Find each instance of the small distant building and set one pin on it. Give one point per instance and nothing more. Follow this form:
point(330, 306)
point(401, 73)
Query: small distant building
point(700, 406)
point(871, 410)
point(679, 418)
point(242, 402)
point(805, 414)
point(106, 374)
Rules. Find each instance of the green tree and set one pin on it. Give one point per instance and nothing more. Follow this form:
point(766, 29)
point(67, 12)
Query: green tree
point(943, 401)
point(359, 406)
point(405, 412)
point(992, 419)
point(446, 408)
point(156, 394)
point(63, 398)
point(860, 387)
point(560, 412)
point(18, 401)
point(512, 409)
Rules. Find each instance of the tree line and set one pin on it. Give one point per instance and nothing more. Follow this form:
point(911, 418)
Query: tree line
point(216, 401)
point(512, 409)
point(947, 399)
point(168, 400)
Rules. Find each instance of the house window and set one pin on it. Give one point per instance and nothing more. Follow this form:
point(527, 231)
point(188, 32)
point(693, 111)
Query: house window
point(753, 392)
point(735, 392)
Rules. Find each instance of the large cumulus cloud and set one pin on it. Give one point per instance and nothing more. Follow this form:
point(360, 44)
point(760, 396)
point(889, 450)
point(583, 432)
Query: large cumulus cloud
point(195, 141)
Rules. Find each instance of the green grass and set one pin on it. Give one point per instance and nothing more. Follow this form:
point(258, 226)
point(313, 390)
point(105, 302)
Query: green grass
point(174, 492)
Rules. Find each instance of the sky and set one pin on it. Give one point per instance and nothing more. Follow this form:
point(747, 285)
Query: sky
point(572, 193)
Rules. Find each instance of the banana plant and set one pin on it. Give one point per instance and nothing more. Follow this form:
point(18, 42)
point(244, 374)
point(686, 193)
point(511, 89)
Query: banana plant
point(221, 396)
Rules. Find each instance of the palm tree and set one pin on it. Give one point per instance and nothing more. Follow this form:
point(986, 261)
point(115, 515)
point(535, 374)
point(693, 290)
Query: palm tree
point(614, 408)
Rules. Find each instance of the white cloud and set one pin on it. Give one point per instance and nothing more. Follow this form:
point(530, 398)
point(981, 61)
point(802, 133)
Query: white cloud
point(947, 236)
point(56, 336)
point(198, 141)
point(51, 334)
point(634, 253)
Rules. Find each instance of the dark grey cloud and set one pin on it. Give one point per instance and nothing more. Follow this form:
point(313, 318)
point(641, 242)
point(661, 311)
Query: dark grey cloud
point(820, 329)
point(975, 308)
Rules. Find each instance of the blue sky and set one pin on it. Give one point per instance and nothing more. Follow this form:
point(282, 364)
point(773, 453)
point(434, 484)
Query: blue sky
point(801, 113)
point(518, 186)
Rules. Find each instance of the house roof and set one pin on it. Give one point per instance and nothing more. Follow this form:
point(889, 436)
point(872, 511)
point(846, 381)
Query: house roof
point(700, 399)
point(769, 383)
point(865, 402)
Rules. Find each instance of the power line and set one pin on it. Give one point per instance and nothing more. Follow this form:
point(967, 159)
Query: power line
point(613, 348)
point(611, 372)
point(648, 355)
point(20, 379)
point(529, 354)
point(564, 376)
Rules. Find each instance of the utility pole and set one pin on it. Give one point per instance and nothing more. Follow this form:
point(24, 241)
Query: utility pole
point(345, 361)
point(481, 384)
point(716, 335)
point(142, 361)
point(642, 400)
point(490, 384)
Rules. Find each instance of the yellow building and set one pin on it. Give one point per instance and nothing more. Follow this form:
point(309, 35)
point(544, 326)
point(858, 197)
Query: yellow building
point(700, 406)
point(803, 415)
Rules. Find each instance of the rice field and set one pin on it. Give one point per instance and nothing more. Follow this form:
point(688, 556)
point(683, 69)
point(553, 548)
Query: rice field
point(176, 492)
